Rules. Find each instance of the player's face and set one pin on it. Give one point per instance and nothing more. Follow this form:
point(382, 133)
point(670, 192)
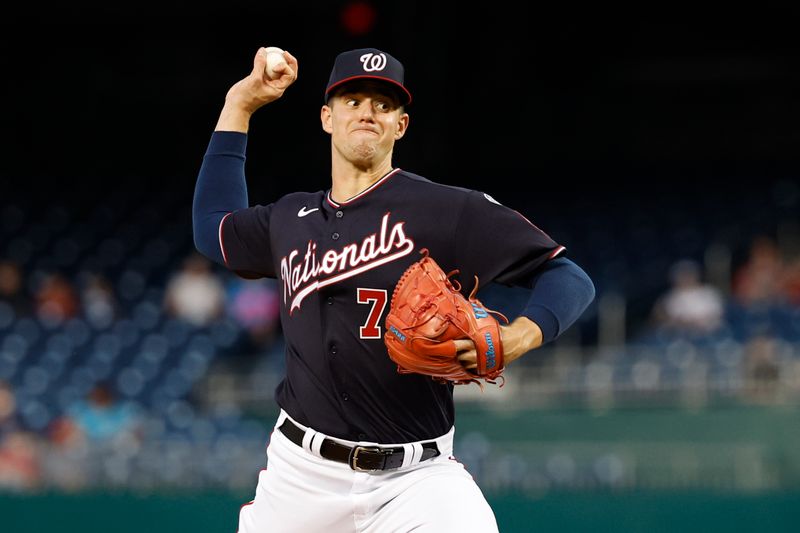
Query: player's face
point(364, 123)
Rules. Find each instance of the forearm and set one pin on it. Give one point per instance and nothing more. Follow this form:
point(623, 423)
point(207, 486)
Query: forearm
point(559, 295)
point(520, 337)
point(233, 117)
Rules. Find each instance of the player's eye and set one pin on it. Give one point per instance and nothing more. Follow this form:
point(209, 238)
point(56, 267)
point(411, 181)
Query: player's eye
point(383, 106)
point(352, 102)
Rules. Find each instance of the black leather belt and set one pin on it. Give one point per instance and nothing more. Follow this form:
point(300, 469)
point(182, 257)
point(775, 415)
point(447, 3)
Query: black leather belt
point(363, 458)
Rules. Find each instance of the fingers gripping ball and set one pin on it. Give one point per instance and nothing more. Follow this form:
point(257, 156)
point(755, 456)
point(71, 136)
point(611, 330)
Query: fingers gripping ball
point(427, 314)
point(274, 57)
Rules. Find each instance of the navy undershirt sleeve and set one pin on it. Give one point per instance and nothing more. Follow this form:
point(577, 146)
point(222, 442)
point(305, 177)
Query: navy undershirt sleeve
point(221, 188)
point(561, 292)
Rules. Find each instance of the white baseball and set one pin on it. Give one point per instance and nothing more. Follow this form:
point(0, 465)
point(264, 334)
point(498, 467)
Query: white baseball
point(274, 58)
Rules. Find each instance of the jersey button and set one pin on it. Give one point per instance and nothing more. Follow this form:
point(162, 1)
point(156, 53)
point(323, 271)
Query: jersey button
point(335, 236)
point(330, 300)
point(362, 436)
point(339, 214)
point(345, 396)
point(334, 349)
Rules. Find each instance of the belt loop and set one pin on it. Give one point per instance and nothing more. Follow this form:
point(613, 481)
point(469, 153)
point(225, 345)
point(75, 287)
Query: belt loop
point(417, 452)
point(308, 437)
point(316, 443)
point(408, 455)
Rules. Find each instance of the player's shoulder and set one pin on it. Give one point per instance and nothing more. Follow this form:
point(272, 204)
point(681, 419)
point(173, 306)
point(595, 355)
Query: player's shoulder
point(436, 189)
point(429, 185)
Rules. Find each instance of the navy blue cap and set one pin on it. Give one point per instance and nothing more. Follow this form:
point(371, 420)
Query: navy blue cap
point(368, 63)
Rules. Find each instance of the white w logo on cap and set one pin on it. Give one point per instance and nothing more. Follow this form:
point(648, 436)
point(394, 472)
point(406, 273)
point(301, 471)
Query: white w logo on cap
point(373, 62)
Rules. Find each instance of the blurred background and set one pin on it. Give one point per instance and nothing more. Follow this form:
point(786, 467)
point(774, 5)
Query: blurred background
point(660, 146)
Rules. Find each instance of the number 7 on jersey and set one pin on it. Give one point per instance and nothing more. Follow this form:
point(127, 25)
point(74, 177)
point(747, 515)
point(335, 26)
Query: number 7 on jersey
point(377, 297)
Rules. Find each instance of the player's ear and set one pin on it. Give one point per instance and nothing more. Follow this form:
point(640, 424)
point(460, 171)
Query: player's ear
point(402, 126)
point(325, 118)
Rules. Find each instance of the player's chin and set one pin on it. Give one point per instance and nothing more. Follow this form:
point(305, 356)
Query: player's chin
point(363, 152)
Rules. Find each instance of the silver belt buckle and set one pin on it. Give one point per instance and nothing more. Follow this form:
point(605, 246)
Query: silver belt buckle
point(353, 461)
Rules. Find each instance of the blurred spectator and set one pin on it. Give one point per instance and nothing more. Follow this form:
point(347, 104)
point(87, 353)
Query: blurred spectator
point(100, 417)
point(792, 282)
point(56, 299)
point(65, 463)
point(690, 305)
point(8, 410)
point(11, 291)
point(19, 461)
point(254, 305)
point(758, 282)
point(19, 450)
point(99, 303)
point(195, 294)
point(761, 368)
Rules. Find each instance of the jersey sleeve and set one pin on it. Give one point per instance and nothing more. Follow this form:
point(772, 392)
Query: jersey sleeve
point(245, 242)
point(497, 243)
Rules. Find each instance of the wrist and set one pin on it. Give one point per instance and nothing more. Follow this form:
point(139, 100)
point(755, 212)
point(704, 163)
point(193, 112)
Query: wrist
point(520, 337)
point(233, 118)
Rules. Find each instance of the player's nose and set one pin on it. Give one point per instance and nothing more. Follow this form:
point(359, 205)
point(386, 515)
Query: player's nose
point(366, 111)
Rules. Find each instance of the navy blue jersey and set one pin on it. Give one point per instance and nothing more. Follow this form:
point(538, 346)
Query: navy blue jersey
point(337, 265)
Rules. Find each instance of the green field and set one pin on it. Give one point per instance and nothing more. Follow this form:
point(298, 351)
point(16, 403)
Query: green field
point(652, 512)
point(726, 469)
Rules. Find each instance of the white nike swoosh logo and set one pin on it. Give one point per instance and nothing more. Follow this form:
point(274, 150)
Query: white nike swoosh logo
point(303, 211)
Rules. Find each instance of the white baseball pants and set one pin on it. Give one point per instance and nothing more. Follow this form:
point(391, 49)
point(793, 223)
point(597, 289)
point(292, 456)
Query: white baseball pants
point(301, 492)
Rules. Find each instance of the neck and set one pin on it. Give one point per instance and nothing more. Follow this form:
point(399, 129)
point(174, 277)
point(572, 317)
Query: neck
point(349, 180)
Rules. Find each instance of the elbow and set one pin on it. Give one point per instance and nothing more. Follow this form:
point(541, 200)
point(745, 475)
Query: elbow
point(576, 296)
point(205, 235)
point(199, 236)
point(577, 283)
point(589, 289)
point(199, 245)
point(582, 286)
point(584, 291)
point(204, 249)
